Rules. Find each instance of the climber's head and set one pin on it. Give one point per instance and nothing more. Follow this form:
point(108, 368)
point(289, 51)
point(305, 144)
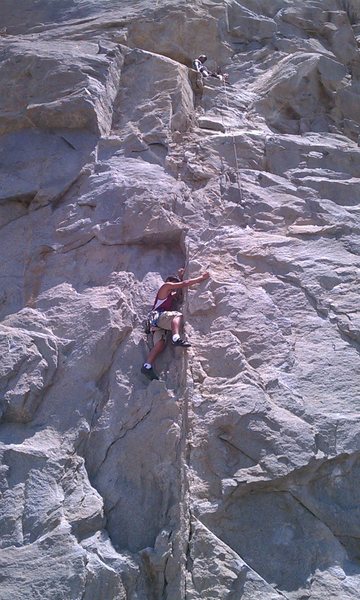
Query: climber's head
point(172, 279)
point(202, 58)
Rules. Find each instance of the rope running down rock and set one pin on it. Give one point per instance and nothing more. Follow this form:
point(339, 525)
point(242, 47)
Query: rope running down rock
point(238, 180)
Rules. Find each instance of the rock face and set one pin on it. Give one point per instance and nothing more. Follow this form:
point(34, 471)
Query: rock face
point(235, 476)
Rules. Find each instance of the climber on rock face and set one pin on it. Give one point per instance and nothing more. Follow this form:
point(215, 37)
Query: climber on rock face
point(164, 319)
point(198, 65)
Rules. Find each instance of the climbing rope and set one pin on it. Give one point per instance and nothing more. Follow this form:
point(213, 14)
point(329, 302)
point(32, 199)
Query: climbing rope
point(237, 169)
point(238, 181)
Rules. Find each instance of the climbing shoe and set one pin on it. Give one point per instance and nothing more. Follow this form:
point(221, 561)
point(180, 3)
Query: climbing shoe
point(149, 373)
point(181, 343)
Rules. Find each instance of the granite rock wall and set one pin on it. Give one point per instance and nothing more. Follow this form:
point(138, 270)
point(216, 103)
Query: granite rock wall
point(234, 476)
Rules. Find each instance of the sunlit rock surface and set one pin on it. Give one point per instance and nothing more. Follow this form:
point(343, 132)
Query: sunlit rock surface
point(235, 476)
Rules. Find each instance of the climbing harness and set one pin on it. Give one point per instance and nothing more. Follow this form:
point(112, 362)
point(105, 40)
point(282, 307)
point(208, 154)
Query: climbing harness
point(159, 306)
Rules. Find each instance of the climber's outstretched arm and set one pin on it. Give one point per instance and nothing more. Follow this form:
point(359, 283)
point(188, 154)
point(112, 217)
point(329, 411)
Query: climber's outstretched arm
point(174, 286)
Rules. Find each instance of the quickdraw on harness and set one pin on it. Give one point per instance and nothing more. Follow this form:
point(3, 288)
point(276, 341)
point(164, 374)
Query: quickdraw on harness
point(151, 320)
